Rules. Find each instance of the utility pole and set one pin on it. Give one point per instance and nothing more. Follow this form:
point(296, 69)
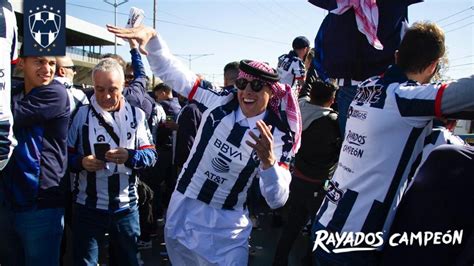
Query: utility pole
point(115, 5)
point(191, 57)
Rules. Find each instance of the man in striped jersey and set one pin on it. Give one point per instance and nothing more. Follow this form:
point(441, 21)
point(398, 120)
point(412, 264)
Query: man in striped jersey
point(291, 66)
point(253, 129)
point(8, 52)
point(387, 123)
point(108, 141)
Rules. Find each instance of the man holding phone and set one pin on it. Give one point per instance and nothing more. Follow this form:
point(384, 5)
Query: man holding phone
point(109, 141)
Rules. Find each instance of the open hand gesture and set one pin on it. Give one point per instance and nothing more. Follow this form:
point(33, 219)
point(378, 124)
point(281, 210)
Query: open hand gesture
point(142, 34)
point(264, 145)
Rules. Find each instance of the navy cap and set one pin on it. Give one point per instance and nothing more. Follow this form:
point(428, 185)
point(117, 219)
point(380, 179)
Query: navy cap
point(300, 42)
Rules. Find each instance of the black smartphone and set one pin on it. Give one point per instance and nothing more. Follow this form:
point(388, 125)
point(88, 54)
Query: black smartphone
point(100, 150)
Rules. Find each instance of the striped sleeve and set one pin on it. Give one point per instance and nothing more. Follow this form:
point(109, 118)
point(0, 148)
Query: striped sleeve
point(418, 103)
point(144, 138)
point(145, 154)
point(14, 49)
point(74, 140)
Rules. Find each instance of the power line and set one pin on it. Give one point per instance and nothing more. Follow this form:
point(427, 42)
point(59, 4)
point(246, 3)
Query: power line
point(450, 16)
point(468, 64)
point(460, 27)
point(290, 11)
point(277, 21)
point(463, 57)
point(193, 26)
point(457, 21)
point(258, 15)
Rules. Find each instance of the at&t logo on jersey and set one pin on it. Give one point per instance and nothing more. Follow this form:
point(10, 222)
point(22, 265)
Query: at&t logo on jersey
point(357, 114)
point(221, 163)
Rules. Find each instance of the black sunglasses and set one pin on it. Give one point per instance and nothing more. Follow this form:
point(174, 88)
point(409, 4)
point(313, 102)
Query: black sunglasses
point(73, 68)
point(256, 85)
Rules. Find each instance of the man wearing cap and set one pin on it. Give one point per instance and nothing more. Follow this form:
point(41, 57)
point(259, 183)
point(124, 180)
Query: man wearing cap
point(242, 132)
point(290, 66)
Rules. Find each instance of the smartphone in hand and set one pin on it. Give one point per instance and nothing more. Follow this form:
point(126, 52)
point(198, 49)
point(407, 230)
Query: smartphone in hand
point(100, 150)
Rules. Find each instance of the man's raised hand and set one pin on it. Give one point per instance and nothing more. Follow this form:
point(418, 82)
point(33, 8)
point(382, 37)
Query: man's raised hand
point(142, 34)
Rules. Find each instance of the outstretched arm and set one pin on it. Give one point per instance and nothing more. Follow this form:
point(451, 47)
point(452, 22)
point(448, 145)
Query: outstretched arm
point(457, 100)
point(162, 62)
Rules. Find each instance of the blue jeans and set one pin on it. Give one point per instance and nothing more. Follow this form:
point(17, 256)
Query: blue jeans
point(10, 253)
point(90, 226)
point(40, 233)
point(345, 95)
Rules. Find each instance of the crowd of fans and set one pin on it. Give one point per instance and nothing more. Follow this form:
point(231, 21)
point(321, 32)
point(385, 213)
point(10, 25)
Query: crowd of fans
point(342, 138)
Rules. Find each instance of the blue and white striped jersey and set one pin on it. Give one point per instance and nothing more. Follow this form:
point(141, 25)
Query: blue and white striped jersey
point(387, 123)
point(117, 190)
point(8, 50)
point(290, 68)
point(221, 165)
point(438, 137)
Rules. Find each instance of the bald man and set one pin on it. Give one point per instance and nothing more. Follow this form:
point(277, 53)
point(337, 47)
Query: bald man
point(65, 72)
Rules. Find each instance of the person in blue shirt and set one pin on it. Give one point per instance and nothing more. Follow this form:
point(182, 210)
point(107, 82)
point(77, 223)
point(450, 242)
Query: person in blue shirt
point(33, 178)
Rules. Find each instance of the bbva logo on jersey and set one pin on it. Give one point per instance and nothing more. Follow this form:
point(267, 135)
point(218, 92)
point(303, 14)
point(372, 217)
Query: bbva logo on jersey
point(44, 28)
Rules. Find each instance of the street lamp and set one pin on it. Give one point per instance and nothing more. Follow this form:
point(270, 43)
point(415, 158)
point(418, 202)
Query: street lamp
point(115, 5)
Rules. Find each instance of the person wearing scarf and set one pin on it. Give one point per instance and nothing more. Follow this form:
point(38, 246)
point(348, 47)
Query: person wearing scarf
point(105, 189)
point(252, 129)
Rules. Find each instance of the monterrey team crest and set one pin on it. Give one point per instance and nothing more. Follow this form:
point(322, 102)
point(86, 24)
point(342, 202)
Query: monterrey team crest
point(44, 27)
point(45, 21)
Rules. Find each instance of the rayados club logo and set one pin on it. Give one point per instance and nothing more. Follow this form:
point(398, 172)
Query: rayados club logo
point(45, 25)
point(335, 242)
point(45, 22)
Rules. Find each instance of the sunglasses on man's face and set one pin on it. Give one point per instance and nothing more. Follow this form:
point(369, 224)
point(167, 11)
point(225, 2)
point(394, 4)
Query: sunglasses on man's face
point(73, 68)
point(256, 85)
